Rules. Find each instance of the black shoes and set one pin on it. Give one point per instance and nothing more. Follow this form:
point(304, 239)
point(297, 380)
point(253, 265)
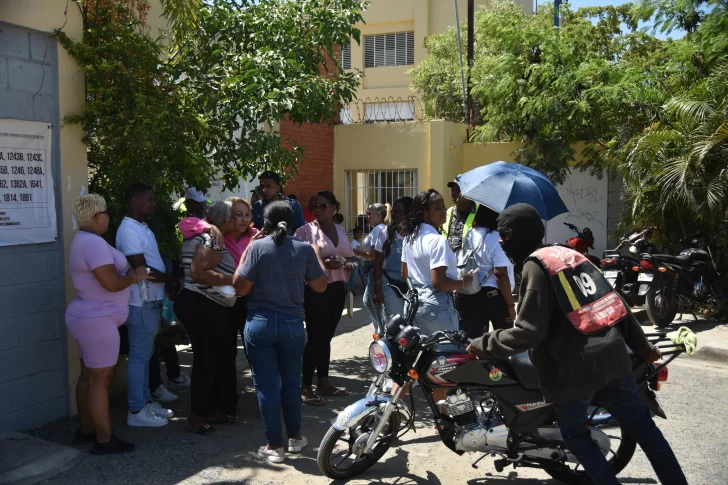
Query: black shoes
point(115, 445)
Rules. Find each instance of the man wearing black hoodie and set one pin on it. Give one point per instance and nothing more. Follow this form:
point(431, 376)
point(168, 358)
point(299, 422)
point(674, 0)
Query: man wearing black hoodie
point(572, 366)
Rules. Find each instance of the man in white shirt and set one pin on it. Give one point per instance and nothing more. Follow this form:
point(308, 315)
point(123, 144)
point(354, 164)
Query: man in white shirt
point(137, 242)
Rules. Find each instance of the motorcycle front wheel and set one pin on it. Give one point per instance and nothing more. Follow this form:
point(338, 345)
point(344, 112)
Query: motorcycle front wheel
point(661, 305)
point(337, 453)
point(618, 458)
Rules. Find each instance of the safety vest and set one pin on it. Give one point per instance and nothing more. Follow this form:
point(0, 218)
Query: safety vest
point(586, 297)
point(448, 218)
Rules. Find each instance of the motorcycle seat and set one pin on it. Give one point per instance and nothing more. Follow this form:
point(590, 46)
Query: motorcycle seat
point(525, 370)
point(669, 259)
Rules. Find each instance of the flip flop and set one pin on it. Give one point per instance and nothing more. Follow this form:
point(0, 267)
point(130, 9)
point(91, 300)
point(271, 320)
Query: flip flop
point(204, 430)
point(314, 401)
point(337, 393)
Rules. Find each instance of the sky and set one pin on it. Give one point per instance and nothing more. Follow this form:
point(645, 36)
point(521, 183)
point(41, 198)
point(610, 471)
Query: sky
point(577, 4)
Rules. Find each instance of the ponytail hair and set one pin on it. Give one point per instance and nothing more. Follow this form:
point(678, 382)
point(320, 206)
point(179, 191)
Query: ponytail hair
point(385, 210)
point(277, 217)
point(416, 216)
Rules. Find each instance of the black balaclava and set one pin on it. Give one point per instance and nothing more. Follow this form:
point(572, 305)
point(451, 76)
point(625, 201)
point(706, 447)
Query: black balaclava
point(528, 232)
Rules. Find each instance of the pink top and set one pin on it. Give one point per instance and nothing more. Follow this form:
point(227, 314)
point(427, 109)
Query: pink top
point(192, 226)
point(89, 251)
point(313, 234)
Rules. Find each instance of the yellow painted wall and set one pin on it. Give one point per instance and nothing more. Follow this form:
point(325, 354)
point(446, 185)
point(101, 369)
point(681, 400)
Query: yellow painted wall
point(46, 16)
point(424, 17)
point(475, 155)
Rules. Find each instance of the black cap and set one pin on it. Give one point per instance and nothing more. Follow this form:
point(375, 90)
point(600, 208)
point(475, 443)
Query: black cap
point(268, 174)
point(453, 182)
point(256, 190)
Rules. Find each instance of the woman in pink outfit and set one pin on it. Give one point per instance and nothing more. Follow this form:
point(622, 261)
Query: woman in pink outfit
point(323, 310)
point(102, 279)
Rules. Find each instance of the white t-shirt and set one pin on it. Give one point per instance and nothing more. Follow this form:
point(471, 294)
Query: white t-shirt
point(379, 244)
point(370, 240)
point(489, 255)
point(134, 237)
point(427, 251)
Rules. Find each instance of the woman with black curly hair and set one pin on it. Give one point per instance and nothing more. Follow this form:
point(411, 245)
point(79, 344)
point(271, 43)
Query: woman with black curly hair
point(430, 263)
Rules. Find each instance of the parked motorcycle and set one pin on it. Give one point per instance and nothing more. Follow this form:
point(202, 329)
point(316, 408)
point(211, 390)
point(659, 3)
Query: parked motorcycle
point(681, 283)
point(493, 407)
point(618, 266)
point(583, 241)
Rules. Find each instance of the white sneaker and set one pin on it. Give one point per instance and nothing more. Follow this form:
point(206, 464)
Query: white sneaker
point(145, 419)
point(182, 382)
point(158, 410)
point(161, 394)
point(273, 456)
point(296, 446)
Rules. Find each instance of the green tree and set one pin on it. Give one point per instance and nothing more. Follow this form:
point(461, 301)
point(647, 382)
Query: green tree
point(594, 83)
point(246, 67)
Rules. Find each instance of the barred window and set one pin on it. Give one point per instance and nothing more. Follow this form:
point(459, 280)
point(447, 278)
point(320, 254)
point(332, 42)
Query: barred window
point(397, 49)
point(346, 56)
point(363, 188)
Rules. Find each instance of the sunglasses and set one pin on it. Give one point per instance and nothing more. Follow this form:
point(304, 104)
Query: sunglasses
point(320, 206)
point(505, 233)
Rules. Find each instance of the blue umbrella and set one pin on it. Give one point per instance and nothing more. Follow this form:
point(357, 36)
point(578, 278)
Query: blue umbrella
point(500, 184)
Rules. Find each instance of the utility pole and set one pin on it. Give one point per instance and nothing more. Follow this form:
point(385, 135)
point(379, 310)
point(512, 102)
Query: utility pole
point(460, 50)
point(557, 21)
point(471, 43)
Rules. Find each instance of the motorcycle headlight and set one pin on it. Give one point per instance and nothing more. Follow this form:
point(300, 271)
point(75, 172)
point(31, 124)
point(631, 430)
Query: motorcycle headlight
point(379, 357)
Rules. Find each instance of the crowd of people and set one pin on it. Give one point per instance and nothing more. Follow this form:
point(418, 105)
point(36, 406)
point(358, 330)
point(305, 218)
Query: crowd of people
point(261, 268)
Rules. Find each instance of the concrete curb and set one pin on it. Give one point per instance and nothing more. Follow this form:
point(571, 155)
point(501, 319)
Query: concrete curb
point(26, 459)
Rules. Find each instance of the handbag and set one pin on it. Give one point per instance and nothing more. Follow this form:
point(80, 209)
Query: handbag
point(401, 285)
point(466, 264)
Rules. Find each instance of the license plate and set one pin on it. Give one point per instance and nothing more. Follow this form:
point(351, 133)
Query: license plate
point(611, 274)
point(645, 277)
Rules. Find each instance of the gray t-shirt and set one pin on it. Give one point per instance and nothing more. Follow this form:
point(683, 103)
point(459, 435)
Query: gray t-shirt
point(278, 274)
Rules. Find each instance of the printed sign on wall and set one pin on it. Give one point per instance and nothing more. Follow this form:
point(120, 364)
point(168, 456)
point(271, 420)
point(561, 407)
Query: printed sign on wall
point(27, 203)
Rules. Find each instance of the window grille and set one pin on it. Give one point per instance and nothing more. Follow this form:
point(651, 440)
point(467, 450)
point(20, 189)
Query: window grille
point(365, 187)
point(397, 49)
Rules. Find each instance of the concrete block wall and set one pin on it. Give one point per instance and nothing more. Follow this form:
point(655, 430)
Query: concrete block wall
point(33, 349)
point(615, 207)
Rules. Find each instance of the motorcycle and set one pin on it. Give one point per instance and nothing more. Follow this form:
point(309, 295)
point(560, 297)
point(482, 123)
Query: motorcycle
point(493, 407)
point(683, 282)
point(618, 266)
point(582, 242)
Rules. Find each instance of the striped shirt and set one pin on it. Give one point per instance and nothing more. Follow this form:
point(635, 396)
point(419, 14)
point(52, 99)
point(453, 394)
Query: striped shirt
point(226, 266)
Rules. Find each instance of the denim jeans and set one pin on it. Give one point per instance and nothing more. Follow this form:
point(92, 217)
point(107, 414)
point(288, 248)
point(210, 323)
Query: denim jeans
point(143, 324)
point(357, 273)
point(375, 311)
point(436, 311)
point(274, 342)
point(621, 399)
point(393, 304)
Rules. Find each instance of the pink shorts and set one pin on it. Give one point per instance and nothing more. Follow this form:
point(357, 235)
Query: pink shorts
point(97, 337)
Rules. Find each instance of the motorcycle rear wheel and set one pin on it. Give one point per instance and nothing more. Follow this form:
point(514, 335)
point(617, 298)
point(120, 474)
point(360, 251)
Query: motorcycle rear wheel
point(325, 457)
point(619, 460)
point(661, 306)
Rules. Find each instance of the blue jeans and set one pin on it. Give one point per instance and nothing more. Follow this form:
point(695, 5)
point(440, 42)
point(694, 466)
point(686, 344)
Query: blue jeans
point(143, 323)
point(358, 272)
point(621, 399)
point(393, 304)
point(275, 342)
point(436, 311)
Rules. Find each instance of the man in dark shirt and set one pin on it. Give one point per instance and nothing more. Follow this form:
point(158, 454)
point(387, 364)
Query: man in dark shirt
point(270, 187)
point(573, 367)
point(459, 219)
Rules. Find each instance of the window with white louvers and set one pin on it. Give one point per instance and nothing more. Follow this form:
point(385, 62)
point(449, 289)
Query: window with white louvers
point(346, 57)
point(397, 49)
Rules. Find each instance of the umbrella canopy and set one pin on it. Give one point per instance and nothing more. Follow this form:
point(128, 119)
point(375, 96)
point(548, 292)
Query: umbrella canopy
point(502, 184)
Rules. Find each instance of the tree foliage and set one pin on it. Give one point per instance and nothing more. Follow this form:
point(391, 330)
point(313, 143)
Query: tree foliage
point(246, 67)
point(209, 105)
point(593, 83)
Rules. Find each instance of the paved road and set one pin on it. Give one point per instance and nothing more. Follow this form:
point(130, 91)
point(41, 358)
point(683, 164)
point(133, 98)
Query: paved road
point(695, 399)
